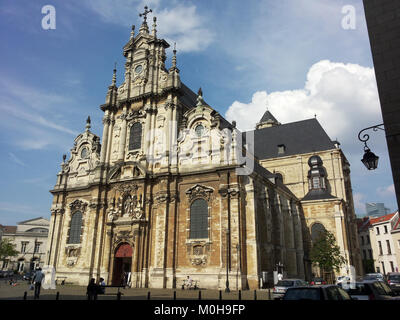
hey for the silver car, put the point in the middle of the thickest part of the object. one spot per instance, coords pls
(282, 285)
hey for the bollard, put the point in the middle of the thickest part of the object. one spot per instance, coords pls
(119, 295)
(174, 295)
(200, 295)
(148, 295)
(255, 294)
(240, 294)
(57, 295)
(220, 294)
(269, 294)
(25, 293)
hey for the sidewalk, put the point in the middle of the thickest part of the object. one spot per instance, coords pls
(70, 292)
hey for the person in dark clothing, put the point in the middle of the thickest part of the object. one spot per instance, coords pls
(92, 290)
(102, 286)
(37, 281)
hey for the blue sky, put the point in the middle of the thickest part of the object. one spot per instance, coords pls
(292, 55)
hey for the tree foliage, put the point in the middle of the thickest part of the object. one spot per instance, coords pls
(7, 249)
(325, 253)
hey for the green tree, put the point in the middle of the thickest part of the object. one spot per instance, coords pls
(325, 253)
(7, 249)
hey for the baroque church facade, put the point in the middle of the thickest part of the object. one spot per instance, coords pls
(173, 189)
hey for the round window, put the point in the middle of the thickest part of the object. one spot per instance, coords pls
(84, 153)
(138, 69)
(199, 130)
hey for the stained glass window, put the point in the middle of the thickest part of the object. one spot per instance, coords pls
(135, 137)
(75, 229)
(199, 219)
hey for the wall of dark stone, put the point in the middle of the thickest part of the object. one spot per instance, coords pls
(383, 22)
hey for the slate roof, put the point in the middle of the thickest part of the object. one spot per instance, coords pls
(299, 137)
(318, 194)
(268, 116)
(188, 97)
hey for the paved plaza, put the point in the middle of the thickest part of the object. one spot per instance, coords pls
(71, 292)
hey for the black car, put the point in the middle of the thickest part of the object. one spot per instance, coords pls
(370, 290)
(393, 280)
(317, 292)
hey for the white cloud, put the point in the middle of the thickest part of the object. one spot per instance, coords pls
(343, 96)
(180, 23)
(14, 158)
(359, 203)
(386, 191)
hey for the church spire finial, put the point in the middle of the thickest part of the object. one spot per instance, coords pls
(88, 123)
(133, 32)
(154, 27)
(200, 100)
(144, 27)
(174, 56)
(114, 78)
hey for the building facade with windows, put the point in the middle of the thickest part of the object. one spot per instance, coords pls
(30, 239)
(382, 232)
(174, 189)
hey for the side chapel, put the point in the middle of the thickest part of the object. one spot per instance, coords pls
(173, 189)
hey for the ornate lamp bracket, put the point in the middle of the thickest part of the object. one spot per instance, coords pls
(365, 137)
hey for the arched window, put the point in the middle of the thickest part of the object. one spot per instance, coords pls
(75, 229)
(317, 230)
(199, 219)
(135, 136)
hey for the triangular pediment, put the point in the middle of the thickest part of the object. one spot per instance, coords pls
(36, 222)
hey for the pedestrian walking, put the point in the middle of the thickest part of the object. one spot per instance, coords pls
(92, 289)
(102, 286)
(37, 281)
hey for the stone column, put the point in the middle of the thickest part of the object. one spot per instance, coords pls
(106, 124)
(122, 141)
(110, 136)
(147, 133)
(252, 257)
(173, 155)
(135, 259)
(158, 264)
(107, 263)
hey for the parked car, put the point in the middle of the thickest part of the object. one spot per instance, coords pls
(317, 281)
(370, 290)
(393, 280)
(374, 276)
(343, 279)
(282, 285)
(6, 273)
(317, 292)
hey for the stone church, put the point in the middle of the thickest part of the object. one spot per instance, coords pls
(173, 189)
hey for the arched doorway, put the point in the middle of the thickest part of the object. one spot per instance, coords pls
(122, 264)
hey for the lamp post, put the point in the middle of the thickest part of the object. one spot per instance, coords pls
(370, 160)
(227, 261)
(238, 266)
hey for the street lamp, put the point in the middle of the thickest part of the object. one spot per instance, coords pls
(370, 160)
(227, 261)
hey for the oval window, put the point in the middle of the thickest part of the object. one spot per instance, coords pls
(84, 153)
(199, 130)
(138, 69)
